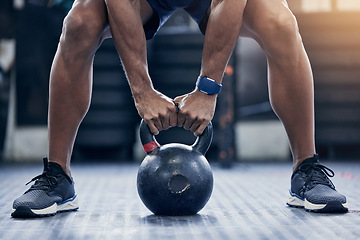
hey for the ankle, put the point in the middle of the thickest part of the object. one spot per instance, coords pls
(298, 160)
(64, 166)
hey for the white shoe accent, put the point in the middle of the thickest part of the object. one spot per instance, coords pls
(294, 200)
(71, 204)
(311, 206)
(49, 210)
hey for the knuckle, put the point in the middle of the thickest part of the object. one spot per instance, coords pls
(147, 119)
(154, 118)
(172, 109)
(192, 116)
(206, 120)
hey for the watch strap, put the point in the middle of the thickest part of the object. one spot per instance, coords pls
(208, 85)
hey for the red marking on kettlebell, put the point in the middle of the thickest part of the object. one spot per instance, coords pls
(150, 146)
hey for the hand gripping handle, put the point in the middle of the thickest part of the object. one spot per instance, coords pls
(202, 143)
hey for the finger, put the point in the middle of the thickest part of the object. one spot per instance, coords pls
(196, 124)
(201, 128)
(158, 124)
(180, 119)
(153, 129)
(188, 122)
(165, 122)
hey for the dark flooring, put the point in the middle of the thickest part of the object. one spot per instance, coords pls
(248, 202)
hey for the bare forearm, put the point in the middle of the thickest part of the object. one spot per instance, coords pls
(222, 31)
(128, 34)
(126, 23)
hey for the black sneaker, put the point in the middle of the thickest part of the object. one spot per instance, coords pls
(312, 189)
(52, 192)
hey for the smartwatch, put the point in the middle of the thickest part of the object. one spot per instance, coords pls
(208, 85)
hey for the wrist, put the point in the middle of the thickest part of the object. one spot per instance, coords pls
(142, 93)
(204, 95)
(141, 87)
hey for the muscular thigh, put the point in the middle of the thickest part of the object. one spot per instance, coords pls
(142, 6)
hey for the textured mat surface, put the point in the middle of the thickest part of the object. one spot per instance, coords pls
(248, 202)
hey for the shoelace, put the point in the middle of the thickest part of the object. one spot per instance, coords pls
(42, 181)
(318, 174)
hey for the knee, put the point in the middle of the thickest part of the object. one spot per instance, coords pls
(80, 31)
(284, 26)
(279, 36)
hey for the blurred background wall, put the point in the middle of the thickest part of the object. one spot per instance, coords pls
(245, 126)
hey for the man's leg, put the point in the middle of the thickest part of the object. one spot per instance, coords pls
(71, 76)
(274, 27)
(70, 90)
(85, 27)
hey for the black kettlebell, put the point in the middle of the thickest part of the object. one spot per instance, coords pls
(175, 179)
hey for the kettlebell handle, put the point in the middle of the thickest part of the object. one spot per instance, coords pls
(202, 142)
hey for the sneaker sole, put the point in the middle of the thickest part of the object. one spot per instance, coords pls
(330, 207)
(26, 212)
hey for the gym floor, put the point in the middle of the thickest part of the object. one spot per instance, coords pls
(248, 202)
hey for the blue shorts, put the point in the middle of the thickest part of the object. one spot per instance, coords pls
(164, 8)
